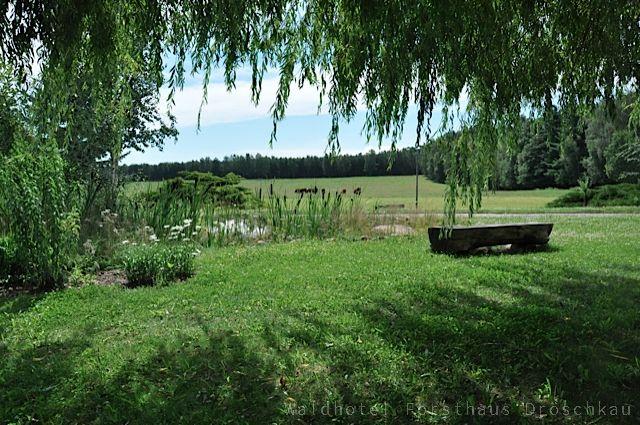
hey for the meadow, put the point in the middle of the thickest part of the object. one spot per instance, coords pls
(401, 190)
(375, 331)
(384, 190)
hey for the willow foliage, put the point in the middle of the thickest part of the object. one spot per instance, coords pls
(388, 55)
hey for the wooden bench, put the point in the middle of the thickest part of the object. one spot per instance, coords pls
(464, 239)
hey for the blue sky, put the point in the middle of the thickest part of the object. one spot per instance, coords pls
(231, 124)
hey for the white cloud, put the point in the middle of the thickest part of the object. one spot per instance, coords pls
(225, 106)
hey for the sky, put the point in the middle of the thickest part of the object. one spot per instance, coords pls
(231, 124)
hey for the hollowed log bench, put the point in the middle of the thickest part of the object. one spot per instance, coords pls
(462, 239)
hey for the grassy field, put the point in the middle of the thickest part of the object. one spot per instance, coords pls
(378, 331)
(401, 190)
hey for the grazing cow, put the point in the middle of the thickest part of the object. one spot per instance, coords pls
(357, 191)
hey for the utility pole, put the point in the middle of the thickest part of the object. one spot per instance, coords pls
(417, 168)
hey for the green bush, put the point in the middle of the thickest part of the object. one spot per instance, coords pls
(142, 265)
(8, 267)
(624, 194)
(178, 262)
(149, 265)
(573, 198)
(204, 188)
(36, 210)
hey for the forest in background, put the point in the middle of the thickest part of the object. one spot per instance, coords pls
(268, 167)
(556, 149)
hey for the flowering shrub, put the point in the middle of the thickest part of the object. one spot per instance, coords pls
(180, 231)
(148, 265)
(178, 262)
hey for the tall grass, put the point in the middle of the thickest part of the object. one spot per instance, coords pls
(308, 215)
(323, 214)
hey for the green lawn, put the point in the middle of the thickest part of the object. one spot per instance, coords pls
(361, 332)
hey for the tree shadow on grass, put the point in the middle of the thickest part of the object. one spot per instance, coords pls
(33, 375)
(412, 354)
(16, 304)
(215, 381)
(528, 348)
(573, 342)
(500, 250)
(220, 381)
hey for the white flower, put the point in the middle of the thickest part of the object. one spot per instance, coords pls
(166, 226)
(187, 221)
(153, 238)
(124, 242)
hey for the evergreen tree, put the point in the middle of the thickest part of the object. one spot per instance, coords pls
(622, 157)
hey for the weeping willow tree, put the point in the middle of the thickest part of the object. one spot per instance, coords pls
(503, 56)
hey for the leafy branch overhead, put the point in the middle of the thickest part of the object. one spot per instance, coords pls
(388, 55)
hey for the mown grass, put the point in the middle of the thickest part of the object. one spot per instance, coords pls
(382, 329)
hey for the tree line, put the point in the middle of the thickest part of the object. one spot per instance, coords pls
(400, 162)
(557, 149)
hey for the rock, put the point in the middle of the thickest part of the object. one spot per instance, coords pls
(393, 229)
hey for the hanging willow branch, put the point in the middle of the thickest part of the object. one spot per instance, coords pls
(385, 55)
